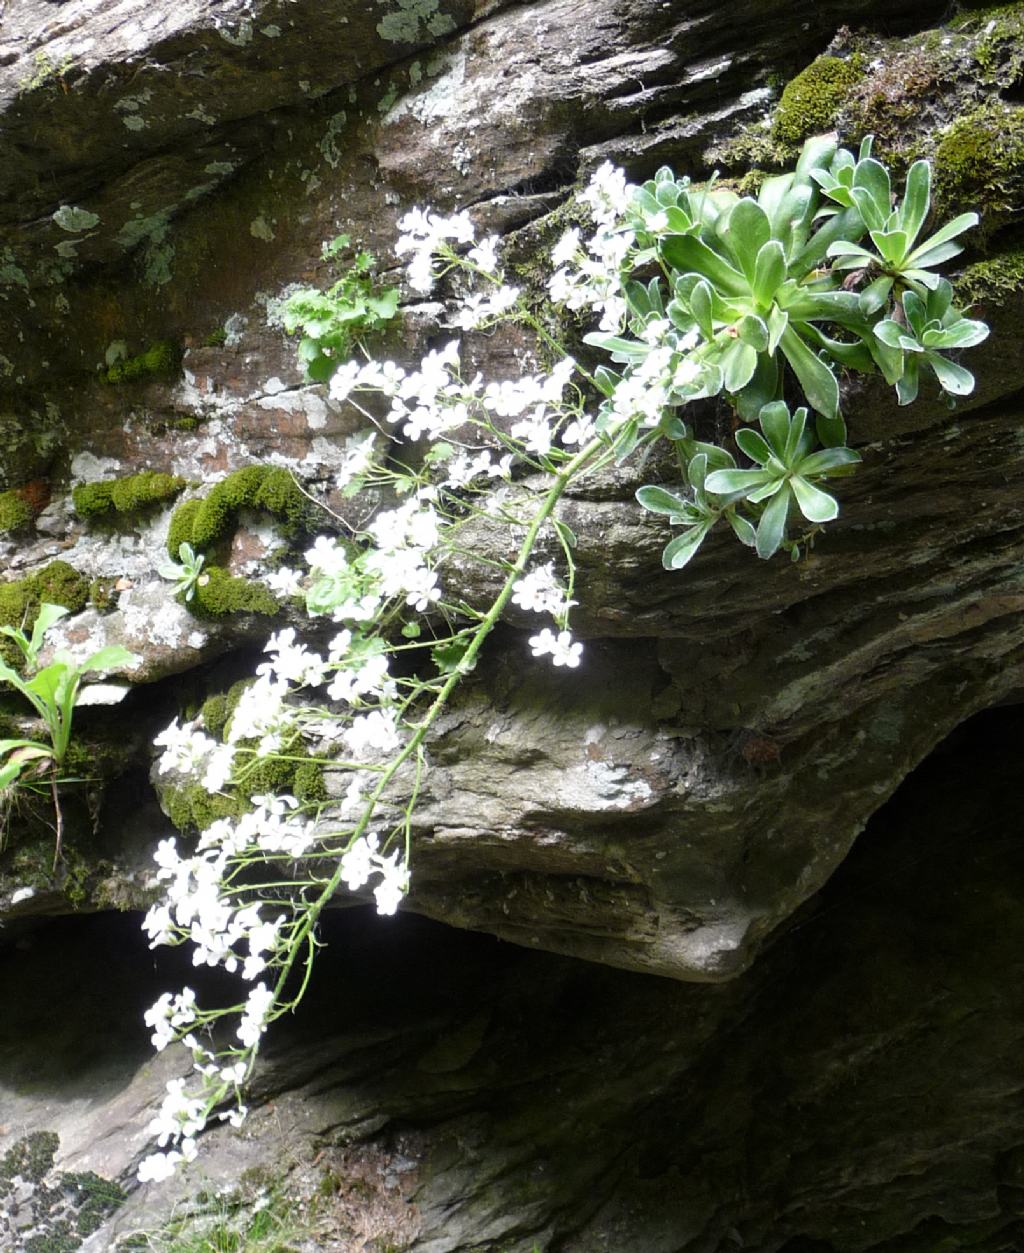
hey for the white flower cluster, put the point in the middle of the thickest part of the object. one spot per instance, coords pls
(540, 592)
(362, 860)
(589, 275)
(422, 234)
(366, 583)
(560, 647)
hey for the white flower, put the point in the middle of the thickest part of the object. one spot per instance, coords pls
(373, 731)
(158, 1166)
(561, 648)
(567, 247)
(580, 431)
(540, 592)
(357, 458)
(357, 862)
(292, 663)
(218, 769)
(344, 379)
(184, 747)
(327, 556)
(393, 885)
(535, 432)
(285, 582)
(257, 1006)
(485, 254)
(158, 925)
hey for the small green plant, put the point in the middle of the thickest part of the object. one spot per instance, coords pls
(332, 322)
(51, 691)
(187, 571)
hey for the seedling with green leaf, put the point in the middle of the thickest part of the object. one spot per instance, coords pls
(755, 301)
(699, 513)
(333, 321)
(786, 476)
(187, 571)
(898, 257)
(928, 325)
(51, 691)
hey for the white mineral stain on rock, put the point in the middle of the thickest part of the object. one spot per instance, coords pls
(87, 468)
(260, 228)
(437, 101)
(305, 400)
(71, 218)
(613, 786)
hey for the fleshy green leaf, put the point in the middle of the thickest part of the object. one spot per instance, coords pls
(826, 459)
(813, 503)
(775, 422)
(871, 176)
(747, 231)
(753, 331)
(701, 308)
(769, 272)
(725, 482)
(818, 382)
(874, 296)
(952, 378)
(684, 252)
(661, 500)
(754, 445)
(738, 363)
(916, 199)
(680, 550)
(959, 224)
(771, 530)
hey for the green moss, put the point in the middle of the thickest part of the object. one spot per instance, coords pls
(752, 146)
(103, 595)
(888, 101)
(58, 583)
(30, 1158)
(15, 514)
(192, 808)
(95, 1198)
(270, 489)
(810, 102)
(993, 279)
(161, 359)
(998, 51)
(218, 593)
(180, 530)
(979, 164)
(214, 713)
(308, 785)
(127, 495)
(265, 774)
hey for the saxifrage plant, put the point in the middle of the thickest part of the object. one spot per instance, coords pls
(700, 294)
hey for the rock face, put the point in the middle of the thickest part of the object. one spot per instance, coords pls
(854, 1092)
(169, 172)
